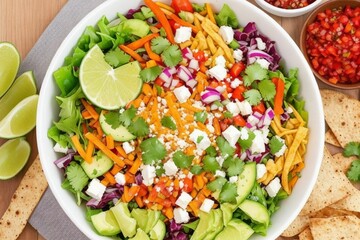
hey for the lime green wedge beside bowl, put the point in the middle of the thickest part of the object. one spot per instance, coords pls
(106, 87)
(14, 154)
(9, 65)
(23, 87)
(21, 119)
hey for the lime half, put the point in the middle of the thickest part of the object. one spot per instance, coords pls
(106, 87)
(21, 119)
(23, 87)
(14, 154)
(9, 65)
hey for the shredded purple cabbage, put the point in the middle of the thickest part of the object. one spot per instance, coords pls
(175, 232)
(138, 178)
(131, 12)
(111, 194)
(247, 41)
(64, 161)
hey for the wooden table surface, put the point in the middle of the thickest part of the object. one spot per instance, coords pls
(21, 23)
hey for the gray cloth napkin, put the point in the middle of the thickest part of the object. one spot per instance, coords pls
(48, 218)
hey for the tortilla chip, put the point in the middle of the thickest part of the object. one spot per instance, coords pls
(342, 163)
(23, 202)
(331, 139)
(345, 227)
(306, 235)
(331, 212)
(332, 185)
(297, 226)
(342, 113)
(350, 203)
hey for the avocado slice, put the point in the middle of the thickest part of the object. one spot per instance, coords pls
(105, 223)
(204, 226)
(126, 223)
(235, 229)
(217, 225)
(141, 217)
(140, 235)
(134, 26)
(256, 211)
(158, 231)
(100, 164)
(153, 217)
(120, 133)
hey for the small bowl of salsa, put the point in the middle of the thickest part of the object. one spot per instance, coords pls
(330, 41)
(288, 8)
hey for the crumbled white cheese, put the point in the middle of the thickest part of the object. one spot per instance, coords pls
(218, 72)
(233, 108)
(220, 60)
(235, 83)
(231, 134)
(263, 63)
(219, 173)
(260, 44)
(58, 148)
(207, 205)
(227, 34)
(182, 94)
(273, 187)
(120, 178)
(260, 170)
(170, 168)
(282, 149)
(148, 173)
(96, 189)
(238, 55)
(201, 139)
(258, 145)
(128, 148)
(184, 200)
(233, 179)
(182, 34)
(245, 107)
(181, 215)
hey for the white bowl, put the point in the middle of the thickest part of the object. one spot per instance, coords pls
(281, 12)
(48, 111)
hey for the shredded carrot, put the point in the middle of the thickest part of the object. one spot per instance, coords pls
(98, 128)
(183, 23)
(279, 96)
(90, 150)
(104, 182)
(139, 201)
(151, 54)
(90, 109)
(139, 43)
(129, 178)
(115, 169)
(147, 90)
(161, 18)
(85, 114)
(135, 167)
(79, 148)
(104, 149)
(131, 157)
(121, 151)
(169, 213)
(130, 192)
(110, 178)
(84, 127)
(132, 53)
(165, 6)
(217, 128)
(109, 141)
(210, 12)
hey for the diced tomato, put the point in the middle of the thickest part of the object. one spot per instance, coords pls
(174, 25)
(260, 108)
(182, 5)
(188, 185)
(238, 93)
(239, 121)
(236, 69)
(200, 56)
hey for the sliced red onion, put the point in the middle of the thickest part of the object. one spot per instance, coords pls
(172, 70)
(257, 115)
(64, 161)
(220, 89)
(243, 156)
(184, 73)
(191, 83)
(174, 82)
(249, 125)
(166, 75)
(210, 96)
(194, 64)
(254, 54)
(284, 117)
(168, 84)
(187, 53)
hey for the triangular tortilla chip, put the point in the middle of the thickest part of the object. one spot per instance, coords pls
(331, 139)
(306, 235)
(335, 228)
(342, 114)
(342, 163)
(331, 186)
(330, 212)
(297, 226)
(350, 203)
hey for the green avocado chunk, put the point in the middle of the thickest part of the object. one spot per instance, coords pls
(141, 217)
(140, 235)
(105, 223)
(209, 226)
(126, 223)
(256, 211)
(100, 164)
(235, 229)
(135, 26)
(158, 231)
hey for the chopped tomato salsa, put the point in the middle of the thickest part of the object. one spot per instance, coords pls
(290, 4)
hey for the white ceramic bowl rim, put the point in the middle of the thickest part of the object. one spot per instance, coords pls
(293, 10)
(246, 12)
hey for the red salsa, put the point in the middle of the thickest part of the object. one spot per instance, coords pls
(333, 44)
(290, 4)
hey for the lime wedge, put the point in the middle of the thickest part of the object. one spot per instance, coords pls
(106, 87)
(23, 87)
(9, 65)
(21, 119)
(14, 154)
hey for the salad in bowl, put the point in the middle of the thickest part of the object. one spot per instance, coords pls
(178, 120)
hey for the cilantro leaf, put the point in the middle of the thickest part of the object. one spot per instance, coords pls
(246, 143)
(139, 127)
(253, 96)
(196, 169)
(201, 116)
(152, 150)
(225, 147)
(352, 149)
(113, 119)
(117, 57)
(211, 151)
(167, 121)
(171, 56)
(182, 160)
(226, 17)
(159, 170)
(159, 44)
(254, 72)
(150, 74)
(273, 203)
(267, 89)
(228, 193)
(210, 164)
(127, 116)
(76, 176)
(275, 144)
(354, 172)
(234, 166)
(217, 184)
